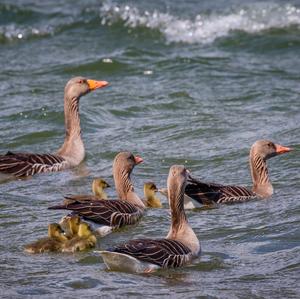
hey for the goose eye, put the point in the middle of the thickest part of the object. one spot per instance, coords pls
(80, 81)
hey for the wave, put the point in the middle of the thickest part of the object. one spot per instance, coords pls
(204, 28)
(15, 32)
(19, 23)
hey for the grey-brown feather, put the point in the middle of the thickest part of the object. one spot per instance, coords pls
(208, 193)
(26, 164)
(115, 213)
(162, 252)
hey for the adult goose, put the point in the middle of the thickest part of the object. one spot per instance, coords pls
(72, 151)
(261, 151)
(128, 209)
(180, 246)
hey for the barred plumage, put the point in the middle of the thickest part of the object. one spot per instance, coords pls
(115, 213)
(72, 151)
(180, 246)
(23, 164)
(209, 193)
(162, 252)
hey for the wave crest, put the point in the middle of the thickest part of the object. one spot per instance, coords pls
(204, 28)
(14, 32)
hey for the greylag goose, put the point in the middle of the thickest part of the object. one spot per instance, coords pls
(52, 243)
(261, 151)
(128, 209)
(151, 200)
(180, 246)
(72, 151)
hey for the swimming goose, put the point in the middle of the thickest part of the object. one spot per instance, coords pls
(128, 209)
(180, 246)
(85, 239)
(98, 187)
(151, 200)
(260, 152)
(52, 243)
(72, 151)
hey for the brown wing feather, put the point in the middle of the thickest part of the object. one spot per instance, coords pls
(206, 193)
(115, 213)
(71, 198)
(25, 164)
(162, 252)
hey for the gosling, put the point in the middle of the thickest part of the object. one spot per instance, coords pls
(70, 225)
(98, 187)
(53, 243)
(151, 200)
(84, 240)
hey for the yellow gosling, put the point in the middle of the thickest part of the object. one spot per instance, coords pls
(85, 239)
(70, 225)
(98, 187)
(52, 243)
(151, 200)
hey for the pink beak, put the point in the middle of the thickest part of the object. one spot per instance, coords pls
(138, 159)
(282, 149)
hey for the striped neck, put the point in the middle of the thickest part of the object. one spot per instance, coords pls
(180, 230)
(260, 177)
(72, 120)
(176, 201)
(73, 147)
(124, 186)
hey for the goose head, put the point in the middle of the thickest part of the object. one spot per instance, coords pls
(80, 86)
(70, 225)
(125, 161)
(266, 149)
(55, 231)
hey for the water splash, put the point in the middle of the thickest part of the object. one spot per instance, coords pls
(14, 32)
(204, 28)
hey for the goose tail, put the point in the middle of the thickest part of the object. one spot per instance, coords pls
(116, 261)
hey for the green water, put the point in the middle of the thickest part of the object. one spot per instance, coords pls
(191, 82)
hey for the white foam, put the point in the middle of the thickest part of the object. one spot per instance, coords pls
(14, 32)
(204, 28)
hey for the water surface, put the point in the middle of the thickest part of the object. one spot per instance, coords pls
(192, 82)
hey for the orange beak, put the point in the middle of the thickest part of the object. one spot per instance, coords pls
(282, 149)
(96, 84)
(138, 159)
